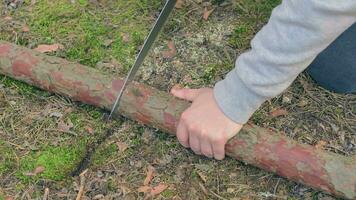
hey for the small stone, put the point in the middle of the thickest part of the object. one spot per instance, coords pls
(132, 163)
(108, 42)
(99, 174)
(350, 147)
(303, 103)
(230, 190)
(56, 114)
(99, 196)
(286, 99)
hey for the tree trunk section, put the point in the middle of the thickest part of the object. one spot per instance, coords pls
(263, 148)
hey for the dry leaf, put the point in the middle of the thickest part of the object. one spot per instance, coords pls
(320, 145)
(28, 174)
(68, 110)
(207, 13)
(39, 170)
(43, 48)
(158, 189)
(9, 198)
(89, 129)
(36, 171)
(144, 189)
(126, 38)
(65, 127)
(98, 196)
(149, 176)
(125, 190)
(122, 146)
(179, 4)
(171, 52)
(202, 176)
(7, 18)
(279, 112)
(25, 28)
(108, 42)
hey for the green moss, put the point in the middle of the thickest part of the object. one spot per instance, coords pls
(254, 13)
(7, 158)
(84, 29)
(21, 87)
(57, 161)
(104, 153)
(168, 193)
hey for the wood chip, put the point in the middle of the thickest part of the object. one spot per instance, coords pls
(179, 4)
(321, 144)
(171, 52)
(46, 194)
(144, 189)
(126, 38)
(207, 13)
(149, 176)
(122, 146)
(158, 189)
(279, 112)
(39, 170)
(25, 28)
(44, 48)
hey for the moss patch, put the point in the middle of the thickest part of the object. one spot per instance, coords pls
(104, 154)
(58, 162)
(90, 33)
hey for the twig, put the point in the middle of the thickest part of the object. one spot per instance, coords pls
(218, 196)
(82, 185)
(62, 131)
(16, 145)
(46, 194)
(276, 187)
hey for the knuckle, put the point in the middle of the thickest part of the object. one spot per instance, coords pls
(204, 132)
(218, 139)
(193, 128)
(184, 116)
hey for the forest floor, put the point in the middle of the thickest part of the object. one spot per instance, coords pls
(44, 137)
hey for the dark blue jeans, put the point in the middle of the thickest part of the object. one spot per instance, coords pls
(335, 67)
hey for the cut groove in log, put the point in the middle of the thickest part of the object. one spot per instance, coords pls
(271, 151)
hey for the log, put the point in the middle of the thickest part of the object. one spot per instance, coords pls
(326, 171)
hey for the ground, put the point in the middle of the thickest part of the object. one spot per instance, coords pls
(45, 137)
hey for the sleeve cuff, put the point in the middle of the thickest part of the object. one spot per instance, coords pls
(236, 100)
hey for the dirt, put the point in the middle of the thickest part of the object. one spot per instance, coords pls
(118, 166)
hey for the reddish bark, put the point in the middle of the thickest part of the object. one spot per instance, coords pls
(326, 171)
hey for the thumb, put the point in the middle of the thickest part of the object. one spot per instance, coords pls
(185, 93)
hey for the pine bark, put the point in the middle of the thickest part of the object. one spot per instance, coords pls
(326, 171)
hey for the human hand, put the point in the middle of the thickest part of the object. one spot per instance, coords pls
(203, 127)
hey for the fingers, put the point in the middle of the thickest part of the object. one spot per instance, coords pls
(183, 134)
(219, 150)
(194, 143)
(206, 148)
(186, 94)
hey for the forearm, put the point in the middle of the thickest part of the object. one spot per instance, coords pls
(296, 33)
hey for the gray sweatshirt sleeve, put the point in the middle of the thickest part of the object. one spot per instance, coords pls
(296, 33)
